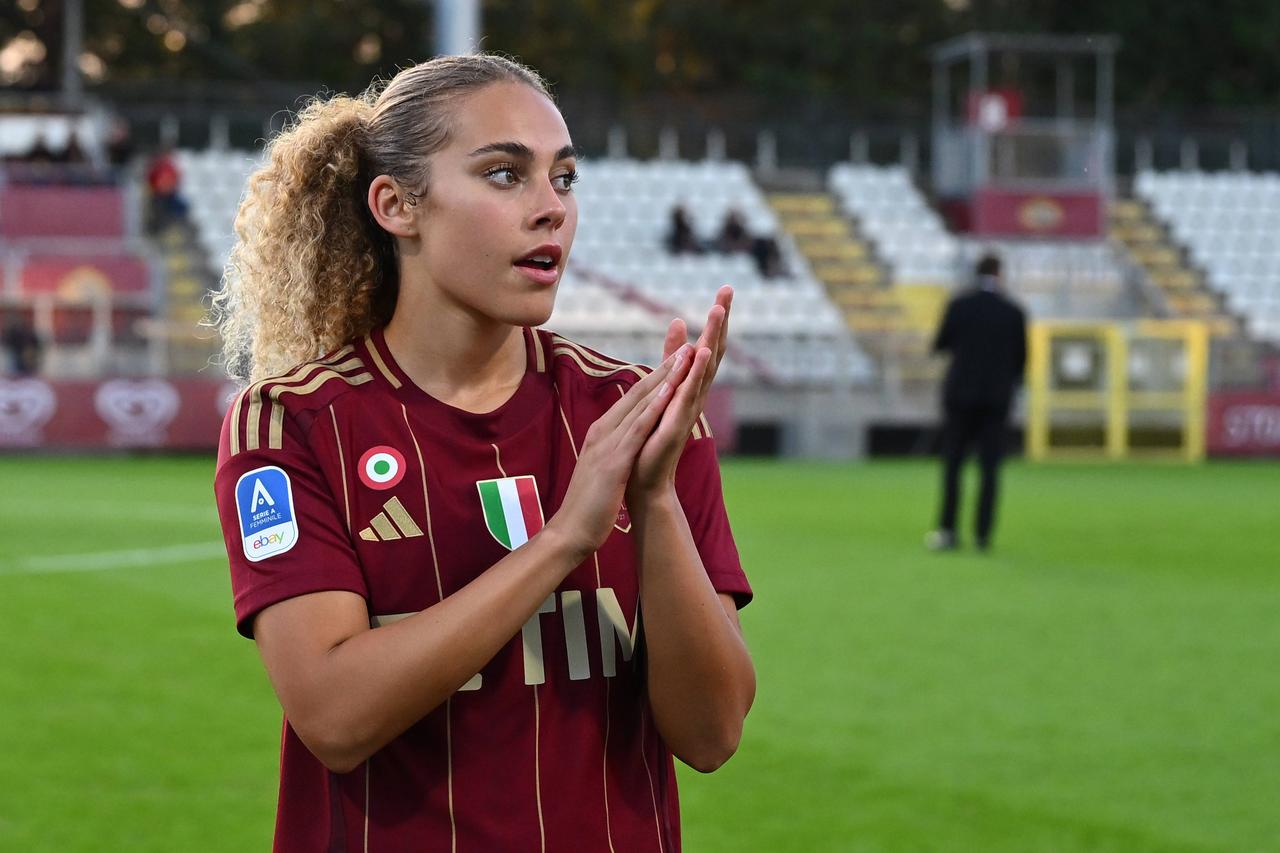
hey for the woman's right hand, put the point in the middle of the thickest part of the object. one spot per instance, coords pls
(591, 503)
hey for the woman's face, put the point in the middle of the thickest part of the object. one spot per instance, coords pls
(498, 217)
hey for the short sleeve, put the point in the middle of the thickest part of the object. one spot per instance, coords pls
(284, 533)
(702, 498)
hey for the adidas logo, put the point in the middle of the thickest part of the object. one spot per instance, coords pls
(394, 522)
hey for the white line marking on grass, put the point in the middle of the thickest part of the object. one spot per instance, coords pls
(104, 560)
(120, 509)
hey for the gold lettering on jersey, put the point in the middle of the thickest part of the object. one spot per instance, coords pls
(535, 671)
(615, 635)
(612, 625)
(575, 634)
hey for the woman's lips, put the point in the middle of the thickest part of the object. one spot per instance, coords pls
(545, 277)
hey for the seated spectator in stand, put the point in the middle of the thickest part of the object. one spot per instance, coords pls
(73, 154)
(734, 237)
(681, 239)
(40, 152)
(119, 143)
(163, 179)
(733, 234)
(768, 257)
(23, 348)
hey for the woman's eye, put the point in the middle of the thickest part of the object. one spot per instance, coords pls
(504, 175)
(565, 182)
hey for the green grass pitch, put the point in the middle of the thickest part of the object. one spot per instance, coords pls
(1106, 680)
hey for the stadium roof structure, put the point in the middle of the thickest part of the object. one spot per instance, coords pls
(1009, 114)
(965, 46)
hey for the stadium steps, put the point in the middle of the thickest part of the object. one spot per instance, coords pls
(188, 281)
(893, 324)
(1133, 225)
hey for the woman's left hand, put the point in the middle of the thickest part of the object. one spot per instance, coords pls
(655, 466)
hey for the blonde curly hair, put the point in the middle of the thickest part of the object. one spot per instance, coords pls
(311, 269)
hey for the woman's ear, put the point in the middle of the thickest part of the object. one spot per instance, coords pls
(390, 207)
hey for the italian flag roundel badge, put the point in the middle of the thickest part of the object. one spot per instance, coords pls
(381, 467)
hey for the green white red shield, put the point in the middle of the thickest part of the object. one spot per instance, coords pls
(512, 511)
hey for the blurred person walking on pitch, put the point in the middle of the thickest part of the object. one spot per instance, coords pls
(488, 570)
(986, 335)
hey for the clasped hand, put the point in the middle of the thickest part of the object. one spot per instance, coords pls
(655, 466)
(633, 448)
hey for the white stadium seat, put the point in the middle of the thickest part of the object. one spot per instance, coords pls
(1228, 221)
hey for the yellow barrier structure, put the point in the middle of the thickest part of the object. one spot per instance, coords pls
(1116, 378)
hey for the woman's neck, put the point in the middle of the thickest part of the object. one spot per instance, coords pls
(471, 365)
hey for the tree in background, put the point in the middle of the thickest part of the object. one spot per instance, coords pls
(870, 53)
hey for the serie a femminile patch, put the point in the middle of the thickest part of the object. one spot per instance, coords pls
(264, 503)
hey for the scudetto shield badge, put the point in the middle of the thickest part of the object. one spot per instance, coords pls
(512, 511)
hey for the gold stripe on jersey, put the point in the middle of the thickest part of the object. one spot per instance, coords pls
(653, 796)
(604, 762)
(254, 422)
(394, 522)
(342, 466)
(564, 419)
(595, 557)
(537, 768)
(578, 357)
(382, 526)
(402, 519)
(596, 358)
(592, 364)
(379, 363)
(275, 437)
(235, 423)
(254, 395)
(697, 430)
(706, 425)
(368, 766)
(539, 357)
(426, 500)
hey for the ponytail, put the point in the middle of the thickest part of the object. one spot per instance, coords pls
(311, 269)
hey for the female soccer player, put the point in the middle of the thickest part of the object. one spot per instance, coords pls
(488, 570)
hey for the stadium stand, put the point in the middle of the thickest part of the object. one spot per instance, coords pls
(787, 329)
(1054, 278)
(907, 232)
(1228, 223)
(73, 267)
(622, 284)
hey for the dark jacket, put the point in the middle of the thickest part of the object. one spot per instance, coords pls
(986, 334)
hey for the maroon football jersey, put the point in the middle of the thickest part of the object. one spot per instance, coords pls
(344, 475)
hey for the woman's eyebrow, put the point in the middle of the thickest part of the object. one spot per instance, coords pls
(520, 151)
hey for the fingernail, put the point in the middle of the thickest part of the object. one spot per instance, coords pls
(679, 362)
(663, 389)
